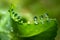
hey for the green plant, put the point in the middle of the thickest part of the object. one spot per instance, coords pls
(42, 28)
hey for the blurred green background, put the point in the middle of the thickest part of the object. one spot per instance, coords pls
(37, 7)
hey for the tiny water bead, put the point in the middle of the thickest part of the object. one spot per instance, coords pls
(35, 18)
(18, 17)
(46, 14)
(15, 14)
(12, 10)
(41, 17)
(47, 17)
(21, 21)
(8, 10)
(42, 22)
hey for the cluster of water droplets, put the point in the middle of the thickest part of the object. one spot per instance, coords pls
(21, 20)
(16, 17)
(41, 18)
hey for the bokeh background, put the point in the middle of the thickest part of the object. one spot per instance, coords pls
(37, 7)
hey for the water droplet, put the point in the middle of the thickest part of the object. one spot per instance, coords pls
(41, 17)
(8, 10)
(11, 9)
(35, 18)
(15, 14)
(18, 17)
(21, 21)
(48, 20)
(46, 14)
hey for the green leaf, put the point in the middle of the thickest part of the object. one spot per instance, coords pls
(26, 30)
